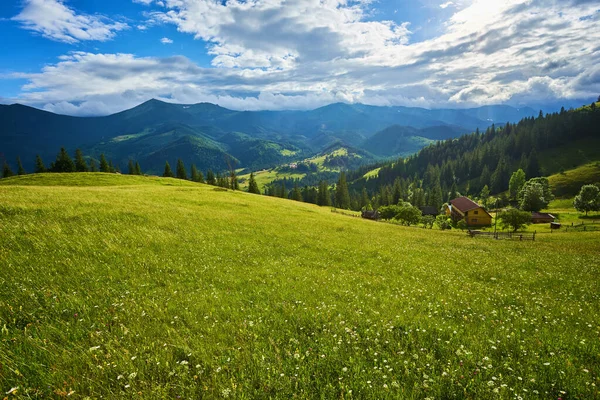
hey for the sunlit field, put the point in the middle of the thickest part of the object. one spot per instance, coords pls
(127, 287)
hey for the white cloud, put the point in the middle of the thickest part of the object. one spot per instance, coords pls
(166, 41)
(56, 21)
(295, 56)
(446, 5)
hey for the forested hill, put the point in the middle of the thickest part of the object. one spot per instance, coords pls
(540, 145)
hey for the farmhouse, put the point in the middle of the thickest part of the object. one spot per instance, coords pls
(542, 218)
(467, 209)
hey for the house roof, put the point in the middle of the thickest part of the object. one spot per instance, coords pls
(537, 215)
(429, 210)
(464, 204)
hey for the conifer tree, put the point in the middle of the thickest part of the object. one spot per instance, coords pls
(93, 167)
(364, 198)
(485, 196)
(210, 177)
(194, 174)
(233, 181)
(138, 169)
(168, 172)
(63, 162)
(342, 197)
(181, 173)
(39, 165)
(282, 190)
(131, 168)
(453, 192)
(80, 164)
(104, 166)
(111, 167)
(533, 165)
(296, 192)
(6, 171)
(20, 169)
(323, 198)
(252, 185)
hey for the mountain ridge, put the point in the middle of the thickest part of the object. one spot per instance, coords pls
(27, 131)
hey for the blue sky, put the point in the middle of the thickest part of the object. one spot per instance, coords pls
(94, 57)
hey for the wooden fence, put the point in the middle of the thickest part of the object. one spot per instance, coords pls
(503, 235)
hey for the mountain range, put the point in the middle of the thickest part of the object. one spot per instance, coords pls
(210, 136)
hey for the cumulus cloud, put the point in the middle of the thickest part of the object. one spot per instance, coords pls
(56, 21)
(281, 55)
(166, 41)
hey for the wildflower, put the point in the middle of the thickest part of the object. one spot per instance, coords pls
(132, 375)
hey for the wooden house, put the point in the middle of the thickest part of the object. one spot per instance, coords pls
(471, 212)
(542, 218)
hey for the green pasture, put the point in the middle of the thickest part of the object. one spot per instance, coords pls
(132, 287)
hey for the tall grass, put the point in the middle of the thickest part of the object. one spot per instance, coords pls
(161, 291)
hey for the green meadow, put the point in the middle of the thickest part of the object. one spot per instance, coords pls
(132, 287)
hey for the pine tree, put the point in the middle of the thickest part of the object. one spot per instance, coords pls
(435, 196)
(364, 198)
(20, 169)
(453, 192)
(104, 166)
(181, 174)
(39, 165)
(138, 169)
(6, 171)
(252, 185)
(323, 198)
(396, 191)
(194, 174)
(130, 168)
(342, 197)
(93, 167)
(111, 167)
(282, 190)
(233, 181)
(485, 196)
(63, 162)
(168, 173)
(500, 177)
(80, 164)
(210, 177)
(533, 165)
(296, 193)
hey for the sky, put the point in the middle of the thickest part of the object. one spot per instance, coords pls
(96, 57)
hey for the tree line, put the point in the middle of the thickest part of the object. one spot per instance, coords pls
(64, 163)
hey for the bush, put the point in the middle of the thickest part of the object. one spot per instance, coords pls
(443, 222)
(427, 221)
(408, 215)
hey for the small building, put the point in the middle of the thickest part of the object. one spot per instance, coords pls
(429, 210)
(471, 212)
(542, 218)
(370, 214)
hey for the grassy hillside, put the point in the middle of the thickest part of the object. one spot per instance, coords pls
(569, 183)
(153, 291)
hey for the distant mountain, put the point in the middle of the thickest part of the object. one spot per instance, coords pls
(399, 140)
(258, 139)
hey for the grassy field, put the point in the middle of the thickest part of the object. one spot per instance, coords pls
(140, 289)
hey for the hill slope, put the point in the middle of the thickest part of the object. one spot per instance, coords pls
(194, 292)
